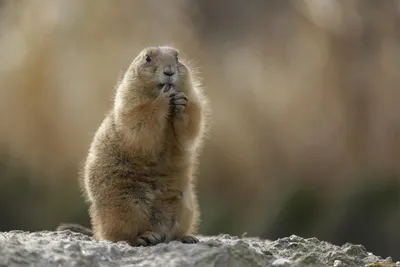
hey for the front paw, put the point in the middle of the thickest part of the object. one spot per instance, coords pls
(165, 95)
(178, 102)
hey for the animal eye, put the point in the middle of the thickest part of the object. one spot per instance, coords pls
(148, 58)
(177, 59)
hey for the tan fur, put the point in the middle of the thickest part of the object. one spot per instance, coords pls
(139, 174)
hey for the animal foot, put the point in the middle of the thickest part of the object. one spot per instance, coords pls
(188, 239)
(149, 238)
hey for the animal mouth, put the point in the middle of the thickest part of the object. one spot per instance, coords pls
(161, 85)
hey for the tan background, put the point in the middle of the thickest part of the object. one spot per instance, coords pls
(305, 98)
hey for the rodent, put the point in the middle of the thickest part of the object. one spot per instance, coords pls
(139, 175)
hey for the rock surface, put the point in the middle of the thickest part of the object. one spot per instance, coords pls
(18, 248)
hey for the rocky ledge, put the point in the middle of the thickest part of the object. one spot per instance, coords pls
(65, 248)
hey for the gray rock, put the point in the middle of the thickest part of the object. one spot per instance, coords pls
(282, 262)
(337, 263)
(18, 248)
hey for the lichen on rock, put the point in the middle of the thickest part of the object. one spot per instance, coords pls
(65, 248)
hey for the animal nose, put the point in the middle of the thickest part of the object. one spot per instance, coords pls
(169, 70)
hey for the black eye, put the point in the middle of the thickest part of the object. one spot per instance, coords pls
(177, 59)
(148, 58)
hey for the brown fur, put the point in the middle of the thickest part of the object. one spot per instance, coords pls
(139, 174)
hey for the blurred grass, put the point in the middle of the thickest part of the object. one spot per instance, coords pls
(306, 131)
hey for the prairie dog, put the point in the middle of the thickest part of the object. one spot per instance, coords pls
(138, 177)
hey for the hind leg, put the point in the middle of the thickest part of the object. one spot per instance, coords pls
(122, 224)
(188, 219)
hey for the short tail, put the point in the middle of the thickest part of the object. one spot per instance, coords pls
(75, 228)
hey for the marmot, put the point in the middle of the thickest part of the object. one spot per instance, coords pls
(138, 178)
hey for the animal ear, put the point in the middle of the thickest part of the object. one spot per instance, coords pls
(131, 71)
(135, 70)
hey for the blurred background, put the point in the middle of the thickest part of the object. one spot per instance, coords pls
(306, 121)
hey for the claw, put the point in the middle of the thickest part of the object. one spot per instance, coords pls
(149, 238)
(166, 88)
(189, 239)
